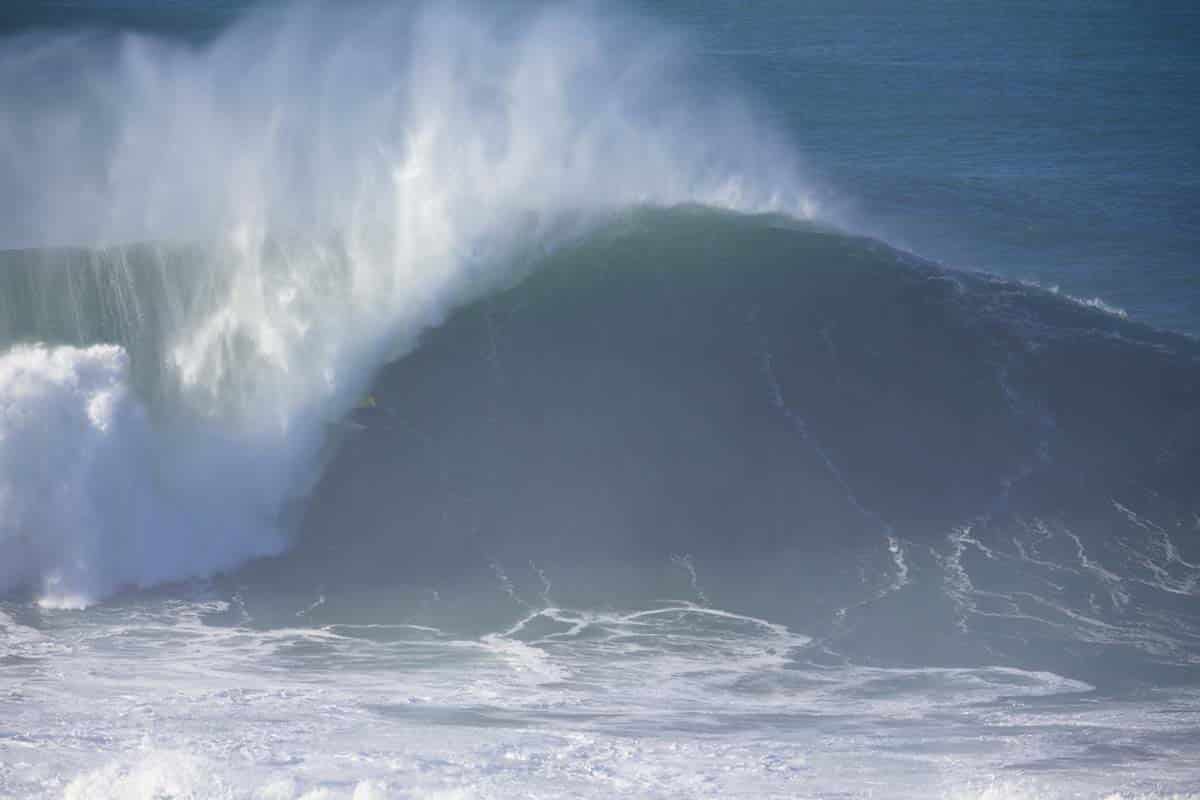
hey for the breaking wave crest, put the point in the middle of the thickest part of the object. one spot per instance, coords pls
(308, 193)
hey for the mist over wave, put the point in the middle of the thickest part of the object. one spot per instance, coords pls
(242, 232)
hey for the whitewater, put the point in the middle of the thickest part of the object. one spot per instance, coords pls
(456, 400)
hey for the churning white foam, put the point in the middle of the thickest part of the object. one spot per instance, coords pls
(353, 174)
(86, 503)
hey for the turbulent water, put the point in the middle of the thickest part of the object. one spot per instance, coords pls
(456, 401)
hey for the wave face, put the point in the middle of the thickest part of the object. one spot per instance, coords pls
(309, 192)
(902, 460)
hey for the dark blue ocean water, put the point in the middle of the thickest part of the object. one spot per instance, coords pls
(1058, 142)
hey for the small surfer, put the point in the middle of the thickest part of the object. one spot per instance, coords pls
(370, 414)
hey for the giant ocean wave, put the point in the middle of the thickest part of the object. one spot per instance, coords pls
(599, 325)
